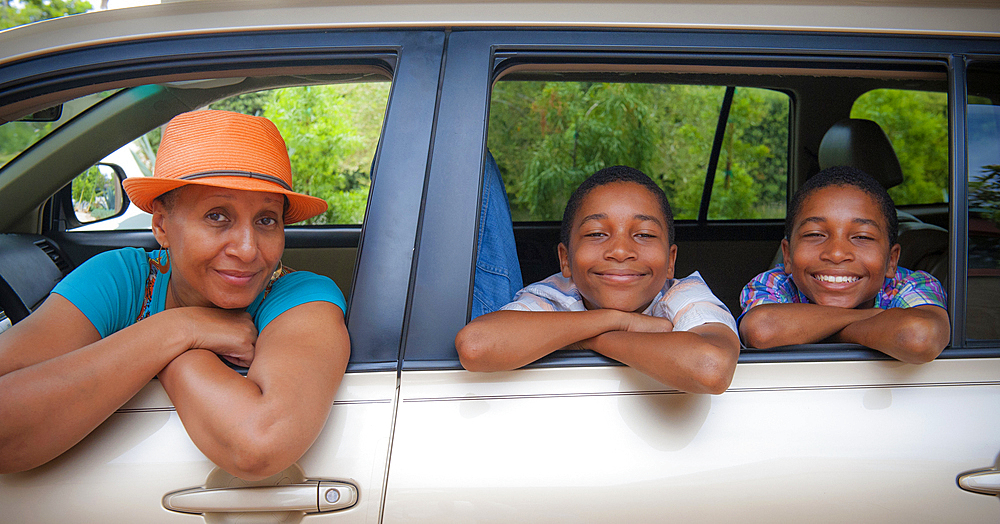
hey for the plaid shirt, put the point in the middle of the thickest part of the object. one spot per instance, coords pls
(687, 302)
(906, 289)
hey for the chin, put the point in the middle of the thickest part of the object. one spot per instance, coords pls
(845, 303)
(233, 300)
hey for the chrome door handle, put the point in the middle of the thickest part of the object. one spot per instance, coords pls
(985, 481)
(311, 497)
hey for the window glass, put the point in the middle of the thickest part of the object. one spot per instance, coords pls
(983, 292)
(331, 132)
(916, 123)
(17, 136)
(547, 137)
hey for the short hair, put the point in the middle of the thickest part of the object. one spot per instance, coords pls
(845, 176)
(610, 175)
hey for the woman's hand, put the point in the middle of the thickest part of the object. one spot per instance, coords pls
(231, 334)
(255, 426)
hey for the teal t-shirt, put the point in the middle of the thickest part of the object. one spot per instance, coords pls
(109, 289)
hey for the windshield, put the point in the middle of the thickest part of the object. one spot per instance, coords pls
(16, 137)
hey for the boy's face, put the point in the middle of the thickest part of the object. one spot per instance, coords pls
(839, 252)
(619, 255)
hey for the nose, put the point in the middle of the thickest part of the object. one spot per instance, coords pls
(620, 248)
(242, 243)
(837, 249)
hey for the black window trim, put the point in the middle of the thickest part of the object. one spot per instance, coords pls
(887, 52)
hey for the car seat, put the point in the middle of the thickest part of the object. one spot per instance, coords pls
(498, 273)
(864, 145)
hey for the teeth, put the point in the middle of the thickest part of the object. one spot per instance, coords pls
(836, 279)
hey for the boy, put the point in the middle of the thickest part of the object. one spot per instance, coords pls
(839, 280)
(615, 295)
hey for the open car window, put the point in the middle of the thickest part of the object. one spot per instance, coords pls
(548, 136)
(331, 131)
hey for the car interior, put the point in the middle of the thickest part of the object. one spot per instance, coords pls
(728, 252)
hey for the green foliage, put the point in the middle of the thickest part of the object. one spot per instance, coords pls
(15, 137)
(916, 123)
(247, 103)
(18, 136)
(94, 194)
(37, 10)
(984, 194)
(547, 137)
(331, 132)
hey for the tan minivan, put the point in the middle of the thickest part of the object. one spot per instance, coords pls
(727, 103)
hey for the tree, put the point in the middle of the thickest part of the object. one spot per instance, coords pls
(547, 137)
(36, 10)
(916, 123)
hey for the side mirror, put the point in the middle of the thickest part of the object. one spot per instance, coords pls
(98, 193)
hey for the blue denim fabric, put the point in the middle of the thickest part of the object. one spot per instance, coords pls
(498, 273)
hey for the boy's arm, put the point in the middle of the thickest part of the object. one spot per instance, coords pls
(700, 360)
(915, 335)
(505, 340)
(771, 325)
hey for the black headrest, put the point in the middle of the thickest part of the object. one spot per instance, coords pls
(861, 144)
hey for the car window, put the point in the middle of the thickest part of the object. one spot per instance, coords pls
(548, 136)
(331, 132)
(916, 123)
(983, 311)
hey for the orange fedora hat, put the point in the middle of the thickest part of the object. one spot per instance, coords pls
(223, 149)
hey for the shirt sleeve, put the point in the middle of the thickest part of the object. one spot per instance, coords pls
(555, 293)
(690, 303)
(108, 288)
(770, 287)
(919, 288)
(294, 289)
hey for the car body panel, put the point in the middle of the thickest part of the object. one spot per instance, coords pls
(173, 18)
(142, 453)
(877, 441)
(815, 433)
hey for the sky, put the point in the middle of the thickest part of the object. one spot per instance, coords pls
(117, 4)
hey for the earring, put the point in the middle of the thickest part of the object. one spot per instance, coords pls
(278, 273)
(162, 261)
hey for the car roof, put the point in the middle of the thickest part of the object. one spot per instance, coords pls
(960, 18)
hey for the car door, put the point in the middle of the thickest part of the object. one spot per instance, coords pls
(818, 433)
(140, 465)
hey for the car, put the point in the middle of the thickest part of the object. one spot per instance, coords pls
(727, 104)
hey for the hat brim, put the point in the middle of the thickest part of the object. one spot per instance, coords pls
(143, 191)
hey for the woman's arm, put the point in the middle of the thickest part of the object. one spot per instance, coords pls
(700, 360)
(258, 425)
(59, 380)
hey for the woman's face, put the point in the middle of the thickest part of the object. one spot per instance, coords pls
(224, 244)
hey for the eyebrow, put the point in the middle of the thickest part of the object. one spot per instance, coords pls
(858, 220)
(229, 197)
(602, 216)
(648, 217)
(595, 216)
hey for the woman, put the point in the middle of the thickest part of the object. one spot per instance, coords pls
(220, 197)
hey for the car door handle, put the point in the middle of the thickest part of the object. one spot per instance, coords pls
(310, 497)
(985, 481)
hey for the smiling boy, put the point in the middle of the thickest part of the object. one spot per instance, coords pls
(839, 281)
(615, 295)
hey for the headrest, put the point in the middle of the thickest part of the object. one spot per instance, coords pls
(863, 145)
